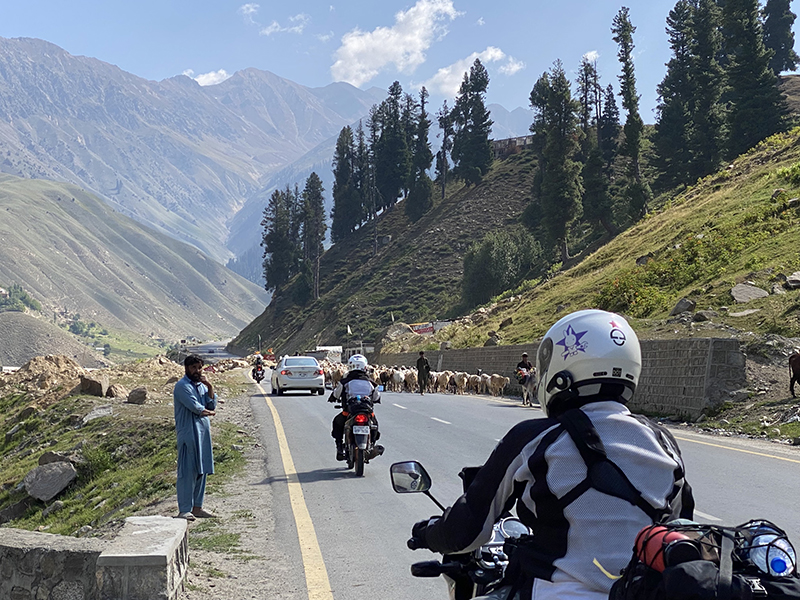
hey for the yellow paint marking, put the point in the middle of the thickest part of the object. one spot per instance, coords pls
(319, 587)
(683, 439)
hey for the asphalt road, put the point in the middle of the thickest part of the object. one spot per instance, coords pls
(360, 526)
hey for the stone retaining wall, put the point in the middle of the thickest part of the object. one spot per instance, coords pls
(681, 377)
(148, 560)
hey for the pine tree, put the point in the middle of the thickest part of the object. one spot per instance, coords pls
(608, 127)
(392, 158)
(347, 209)
(757, 105)
(445, 121)
(673, 127)
(587, 92)
(597, 202)
(707, 139)
(778, 35)
(314, 226)
(420, 197)
(472, 151)
(638, 191)
(556, 121)
(282, 251)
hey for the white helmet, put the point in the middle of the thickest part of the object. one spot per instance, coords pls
(587, 353)
(357, 361)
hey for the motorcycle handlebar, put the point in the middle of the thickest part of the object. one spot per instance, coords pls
(414, 544)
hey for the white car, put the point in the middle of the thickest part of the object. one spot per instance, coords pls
(298, 373)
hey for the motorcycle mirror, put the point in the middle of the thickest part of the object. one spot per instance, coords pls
(409, 477)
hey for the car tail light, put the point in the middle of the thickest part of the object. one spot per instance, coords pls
(286, 372)
(320, 372)
(361, 419)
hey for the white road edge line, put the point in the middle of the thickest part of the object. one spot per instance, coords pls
(705, 517)
(441, 421)
(398, 406)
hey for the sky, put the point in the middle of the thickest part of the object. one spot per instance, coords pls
(366, 43)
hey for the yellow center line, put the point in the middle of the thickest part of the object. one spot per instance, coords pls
(684, 439)
(317, 583)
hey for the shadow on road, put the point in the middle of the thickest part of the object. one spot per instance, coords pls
(331, 474)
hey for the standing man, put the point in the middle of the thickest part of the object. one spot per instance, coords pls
(194, 401)
(423, 372)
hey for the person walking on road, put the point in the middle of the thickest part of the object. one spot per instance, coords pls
(195, 401)
(423, 372)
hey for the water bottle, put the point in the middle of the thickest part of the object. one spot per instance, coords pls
(772, 554)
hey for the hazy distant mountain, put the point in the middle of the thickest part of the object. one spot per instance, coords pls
(75, 255)
(177, 156)
(507, 124)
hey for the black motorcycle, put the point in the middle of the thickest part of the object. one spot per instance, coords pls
(469, 575)
(360, 434)
(258, 373)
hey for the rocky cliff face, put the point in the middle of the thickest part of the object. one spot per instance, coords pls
(174, 155)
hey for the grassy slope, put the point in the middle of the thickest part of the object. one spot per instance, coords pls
(73, 253)
(742, 232)
(415, 277)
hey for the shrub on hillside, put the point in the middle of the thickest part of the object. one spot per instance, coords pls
(498, 263)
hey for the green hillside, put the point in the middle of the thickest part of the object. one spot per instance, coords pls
(83, 261)
(729, 228)
(414, 277)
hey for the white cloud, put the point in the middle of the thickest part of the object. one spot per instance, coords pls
(212, 78)
(248, 11)
(592, 55)
(448, 79)
(298, 24)
(364, 54)
(325, 37)
(481, 22)
(512, 66)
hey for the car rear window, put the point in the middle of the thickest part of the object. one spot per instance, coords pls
(300, 361)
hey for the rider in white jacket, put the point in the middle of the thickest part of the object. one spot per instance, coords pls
(585, 479)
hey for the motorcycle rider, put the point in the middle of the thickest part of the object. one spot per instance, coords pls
(524, 366)
(356, 383)
(259, 366)
(585, 479)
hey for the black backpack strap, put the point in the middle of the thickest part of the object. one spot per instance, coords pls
(602, 473)
(725, 566)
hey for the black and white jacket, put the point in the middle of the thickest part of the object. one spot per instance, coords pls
(582, 536)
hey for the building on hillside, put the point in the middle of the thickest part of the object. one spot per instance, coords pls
(3, 293)
(509, 146)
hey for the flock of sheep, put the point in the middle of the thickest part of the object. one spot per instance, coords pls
(405, 379)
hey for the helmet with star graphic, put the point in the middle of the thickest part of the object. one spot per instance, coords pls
(587, 356)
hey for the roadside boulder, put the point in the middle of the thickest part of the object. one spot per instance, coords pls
(94, 385)
(744, 292)
(704, 315)
(48, 481)
(793, 281)
(683, 305)
(506, 322)
(116, 390)
(52, 457)
(138, 395)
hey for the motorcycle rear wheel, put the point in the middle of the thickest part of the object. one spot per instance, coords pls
(359, 462)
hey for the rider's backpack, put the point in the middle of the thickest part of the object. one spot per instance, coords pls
(682, 560)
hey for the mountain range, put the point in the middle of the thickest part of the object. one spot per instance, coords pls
(174, 155)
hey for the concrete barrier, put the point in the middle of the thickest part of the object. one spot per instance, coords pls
(146, 561)
(683, 377)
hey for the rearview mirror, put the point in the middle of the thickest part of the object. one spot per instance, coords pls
(409, 477)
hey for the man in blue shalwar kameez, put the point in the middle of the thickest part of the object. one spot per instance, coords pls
(194, 401)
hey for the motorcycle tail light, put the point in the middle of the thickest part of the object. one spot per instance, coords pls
(361, 419)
